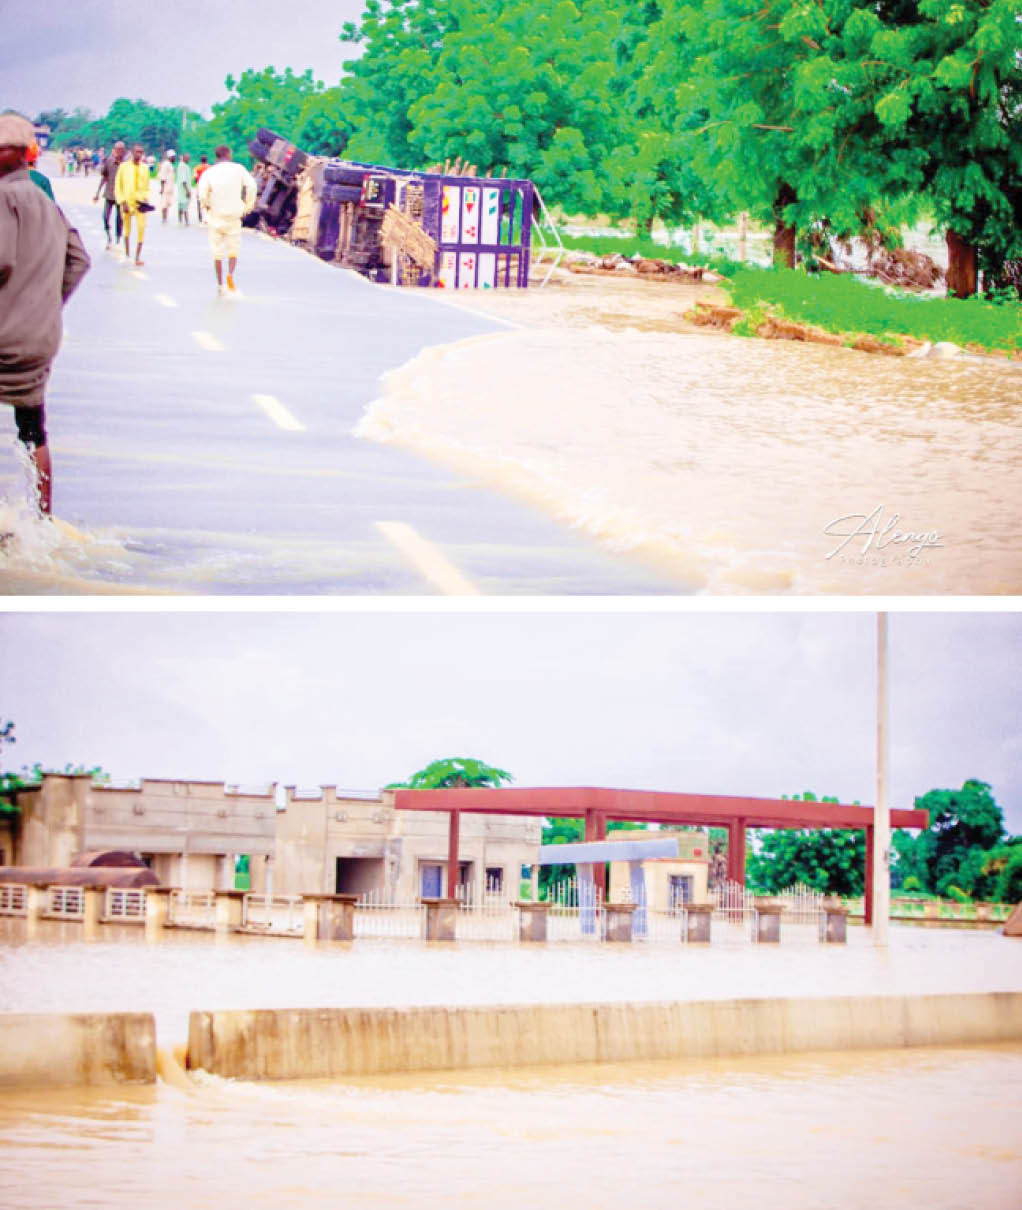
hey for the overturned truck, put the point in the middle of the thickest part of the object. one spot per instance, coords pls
(408, 228)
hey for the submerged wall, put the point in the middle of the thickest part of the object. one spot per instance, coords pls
(77, 1048)
(284, 1044)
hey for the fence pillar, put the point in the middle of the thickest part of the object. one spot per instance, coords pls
(441, 919)
(619, 920)
(532, 921)
(328, 917)
(834, 924)
(36, 898)
(157, 909)
(227, 910)
(766, 924)
(697, 923)
(93, 898)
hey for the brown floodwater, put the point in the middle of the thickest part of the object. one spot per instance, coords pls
(742, 466)
(940, 1128)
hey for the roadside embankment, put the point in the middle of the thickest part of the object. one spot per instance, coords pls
(287, 1044)
(77, 1048)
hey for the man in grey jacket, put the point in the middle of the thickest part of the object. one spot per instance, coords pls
(42, 260)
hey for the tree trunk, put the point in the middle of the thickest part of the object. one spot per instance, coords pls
(784, 236)
(961, 267)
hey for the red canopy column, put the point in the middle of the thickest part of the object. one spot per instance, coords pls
(596, 829)
(736, 851)
(452, 854)
(869, 876)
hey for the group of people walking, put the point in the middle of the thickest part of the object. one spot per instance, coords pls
(42, 258)
(224, 192)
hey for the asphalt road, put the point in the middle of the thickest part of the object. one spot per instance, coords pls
(204, 444)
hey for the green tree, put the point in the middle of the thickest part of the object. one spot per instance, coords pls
(827, 859)
(818, 111)
(964, 826)
(295, 105)
(516, 88)
(453, 771)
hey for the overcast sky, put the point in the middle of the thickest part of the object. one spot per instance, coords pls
(728, 703)
(90, 52)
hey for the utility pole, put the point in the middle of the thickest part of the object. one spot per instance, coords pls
(882, 810)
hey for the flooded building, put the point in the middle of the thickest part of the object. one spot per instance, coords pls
(191, 833)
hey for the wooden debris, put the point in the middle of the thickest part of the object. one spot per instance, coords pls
(403, 233)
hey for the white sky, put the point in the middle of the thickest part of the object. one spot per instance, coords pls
(90, 52)
(731, 703)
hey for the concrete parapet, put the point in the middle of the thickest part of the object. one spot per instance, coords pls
(157, 908)
(77, 1048)
(328, 917)
(619, 920)
(766, 923)
(441, 919)
(532, 920)
(286, 1044)
(698, 917)
(834, 925)
(227, 910)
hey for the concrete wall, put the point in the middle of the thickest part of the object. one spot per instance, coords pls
(182, 828)
(313, 832)
(78, 1048)
(189, 832)
(285, 1044)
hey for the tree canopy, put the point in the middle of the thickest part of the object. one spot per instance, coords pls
(454, 771)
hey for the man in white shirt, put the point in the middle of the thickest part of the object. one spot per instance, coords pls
(167, 178)
(227, 192)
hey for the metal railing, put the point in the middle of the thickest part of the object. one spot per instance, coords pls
(378, 916)
(124, 904)
(192, 909)
(576, 912)
(273, 913)
(495, 919)
(13, 899)
(66, 902)
(802, 905)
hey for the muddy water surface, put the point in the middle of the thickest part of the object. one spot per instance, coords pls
(742, 465)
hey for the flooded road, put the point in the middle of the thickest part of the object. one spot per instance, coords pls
(185, 970)
(582, 438)
(898, 1130)
(743, 466)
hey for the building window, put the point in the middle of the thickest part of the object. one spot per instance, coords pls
(679, 889)
(494, 879)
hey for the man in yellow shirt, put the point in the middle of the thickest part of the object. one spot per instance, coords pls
(131, 190)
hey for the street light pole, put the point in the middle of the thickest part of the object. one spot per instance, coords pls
(882, 810)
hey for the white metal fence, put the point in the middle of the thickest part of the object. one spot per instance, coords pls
(273, 913)
(67, 902)
(123, 903)
(13, 899)
(378, 916)
(495, 919)
(194, 909)
(802, 905)
(576, 912)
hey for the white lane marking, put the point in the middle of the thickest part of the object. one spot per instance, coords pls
(436, 567)
(278, 413)
(207, 341)
(165, 300)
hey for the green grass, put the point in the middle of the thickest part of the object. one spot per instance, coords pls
(845, 304)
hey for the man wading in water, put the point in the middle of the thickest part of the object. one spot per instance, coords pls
(42, 260)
